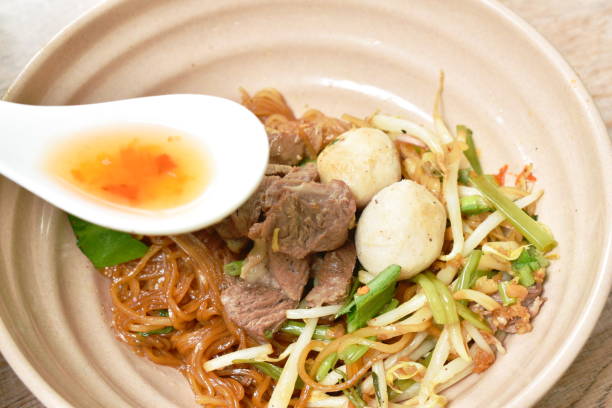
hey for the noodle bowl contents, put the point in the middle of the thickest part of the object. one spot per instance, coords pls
(146, 167)
(376, 264)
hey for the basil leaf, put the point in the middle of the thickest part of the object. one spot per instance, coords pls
(103, 246)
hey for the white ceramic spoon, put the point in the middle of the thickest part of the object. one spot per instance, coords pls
(234, 138)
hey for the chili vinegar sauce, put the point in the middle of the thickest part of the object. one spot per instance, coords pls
(144, 167)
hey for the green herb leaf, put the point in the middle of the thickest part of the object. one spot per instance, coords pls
(233, 268)
(163, 312)
(103, 246)
(529, 261)
(165, 330)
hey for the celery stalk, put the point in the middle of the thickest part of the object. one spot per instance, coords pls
(465, 277)
(471, 154)
(447, 299)
(433, 298)
(535, 233)
(472, 317)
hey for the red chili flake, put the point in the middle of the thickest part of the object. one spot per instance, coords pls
(123, 190)
(164, 163)
(363, 290)
(501, 175)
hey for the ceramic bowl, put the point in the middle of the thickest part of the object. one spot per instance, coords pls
(508, 84)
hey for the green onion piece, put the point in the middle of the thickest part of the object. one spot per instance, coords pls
(353, 395)
(164, 330)
(474, 204)
(233, 268)
(471, 154)
(426, 359)
(529, 261)
(463, 177)
(350, 300)
(433, 297)
(354, 352)
(163, 312)
(375, 380)
(326, 365)
(381, 291)
(393, 303)
(535, 233)
(466, 274)
(269, 369)
(473, 318)
(503, 288)
(294, 327)
(447, 299)
(103, 246)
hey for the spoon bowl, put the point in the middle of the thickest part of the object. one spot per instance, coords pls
(233, 138)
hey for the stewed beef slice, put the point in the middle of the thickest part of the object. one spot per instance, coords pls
(278, 169)
(291, 274)
(286, 146)
(310, 217)
(295, 177)
(237, 224)
(257, 308)
(333, 275)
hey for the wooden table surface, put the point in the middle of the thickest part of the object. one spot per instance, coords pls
(580, 29)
